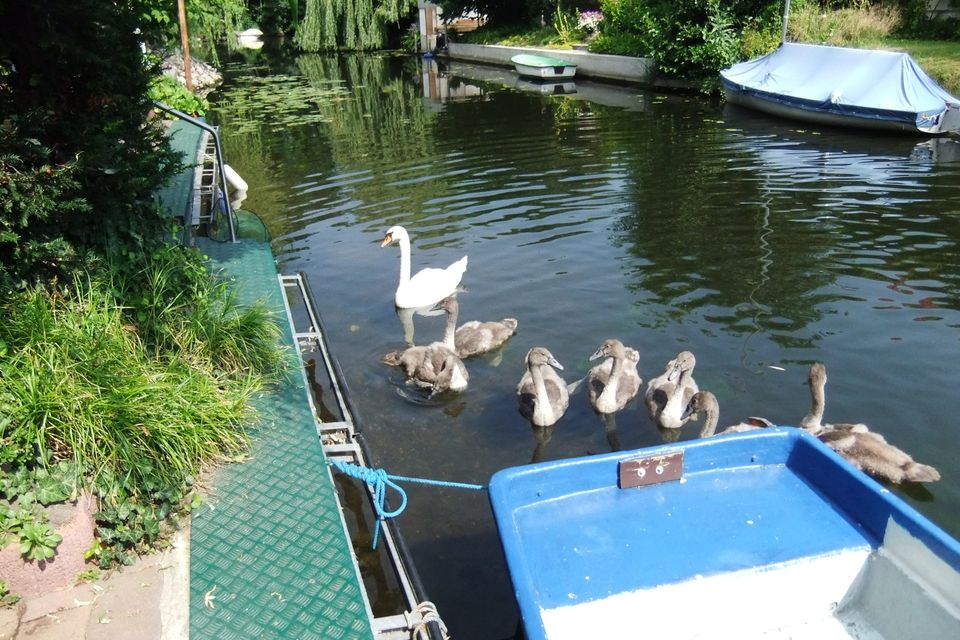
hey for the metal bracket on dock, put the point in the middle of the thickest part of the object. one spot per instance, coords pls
(340, 442)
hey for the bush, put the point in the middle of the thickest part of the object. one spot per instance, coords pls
(686, 38)
(170, 92)
(130, 399)
(78, 166)
(844, 26)
(621, 44)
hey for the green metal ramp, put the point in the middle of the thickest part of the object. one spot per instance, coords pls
(269, 555)
(181, 197)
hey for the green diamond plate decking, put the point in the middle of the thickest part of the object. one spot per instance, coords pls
(177, 197)
(269, 557)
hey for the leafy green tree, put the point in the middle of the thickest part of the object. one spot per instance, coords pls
(275, 16)
(211, 20)
(78, 164)
(353, 25)
(686, 38)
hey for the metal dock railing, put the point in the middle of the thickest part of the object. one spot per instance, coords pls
(342, 442)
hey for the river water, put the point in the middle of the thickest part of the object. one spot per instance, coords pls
(591, 211)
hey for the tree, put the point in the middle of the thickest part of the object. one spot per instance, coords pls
(349, 24)
(78, 165)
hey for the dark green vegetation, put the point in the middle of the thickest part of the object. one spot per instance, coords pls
(694, 39)
(125, 367)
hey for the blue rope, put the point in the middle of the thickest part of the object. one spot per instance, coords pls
(380, 480)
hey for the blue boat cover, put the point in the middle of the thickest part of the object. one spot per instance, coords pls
(852, 81)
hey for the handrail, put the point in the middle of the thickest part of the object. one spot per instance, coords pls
(219, 152)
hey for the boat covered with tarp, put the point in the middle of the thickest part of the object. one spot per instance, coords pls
(863, 88)
(762, 534)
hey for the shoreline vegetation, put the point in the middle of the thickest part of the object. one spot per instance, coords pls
(126, 365)
(861, 25)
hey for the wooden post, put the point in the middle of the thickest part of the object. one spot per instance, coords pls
(185, 45)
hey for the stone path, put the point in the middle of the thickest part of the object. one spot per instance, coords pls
(147, 600)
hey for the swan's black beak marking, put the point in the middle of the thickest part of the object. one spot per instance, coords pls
(387, 239)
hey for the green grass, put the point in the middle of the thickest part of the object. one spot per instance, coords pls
(514, 36)
(81, 385)
(131, 386)
(939, 58)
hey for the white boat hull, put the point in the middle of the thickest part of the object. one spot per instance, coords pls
(546, 73)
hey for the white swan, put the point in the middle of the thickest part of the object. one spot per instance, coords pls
(864, 449)
(706, 402)
(429, 286)
(668, 394)
(473, 337)
(613, 383)
(542, 393)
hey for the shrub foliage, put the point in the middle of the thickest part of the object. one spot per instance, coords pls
(78, 167)
(125, 368)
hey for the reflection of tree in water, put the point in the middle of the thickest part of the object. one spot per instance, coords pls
(381, 119)
(756, 252)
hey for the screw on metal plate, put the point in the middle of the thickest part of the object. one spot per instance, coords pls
(638, 472)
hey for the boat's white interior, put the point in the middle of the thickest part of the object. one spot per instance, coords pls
(898, 592)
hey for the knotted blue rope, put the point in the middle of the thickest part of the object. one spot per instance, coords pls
(379, 479)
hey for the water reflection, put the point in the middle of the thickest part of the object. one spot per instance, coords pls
(541, 436)
(547, 88)
(439, 87)
(406, 320)
(593, 92)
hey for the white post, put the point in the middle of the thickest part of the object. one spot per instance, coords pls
(429, 25)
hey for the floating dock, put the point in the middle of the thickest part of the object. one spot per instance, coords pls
(270, 547)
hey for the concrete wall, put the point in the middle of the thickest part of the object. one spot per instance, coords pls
(592, 65)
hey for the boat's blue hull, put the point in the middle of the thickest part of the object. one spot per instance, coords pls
(756, 513)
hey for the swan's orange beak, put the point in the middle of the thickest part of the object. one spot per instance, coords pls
(387, 239)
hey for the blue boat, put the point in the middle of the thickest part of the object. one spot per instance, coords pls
(764, 534)
(839, 86)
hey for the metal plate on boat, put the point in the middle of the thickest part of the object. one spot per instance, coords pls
(639, 472)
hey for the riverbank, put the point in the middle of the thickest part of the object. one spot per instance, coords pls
(598, 66)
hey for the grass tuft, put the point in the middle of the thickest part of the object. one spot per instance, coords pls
(841, 27)
(81, 385)
(130, 388)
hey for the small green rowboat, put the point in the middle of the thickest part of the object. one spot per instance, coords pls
(542, 67)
